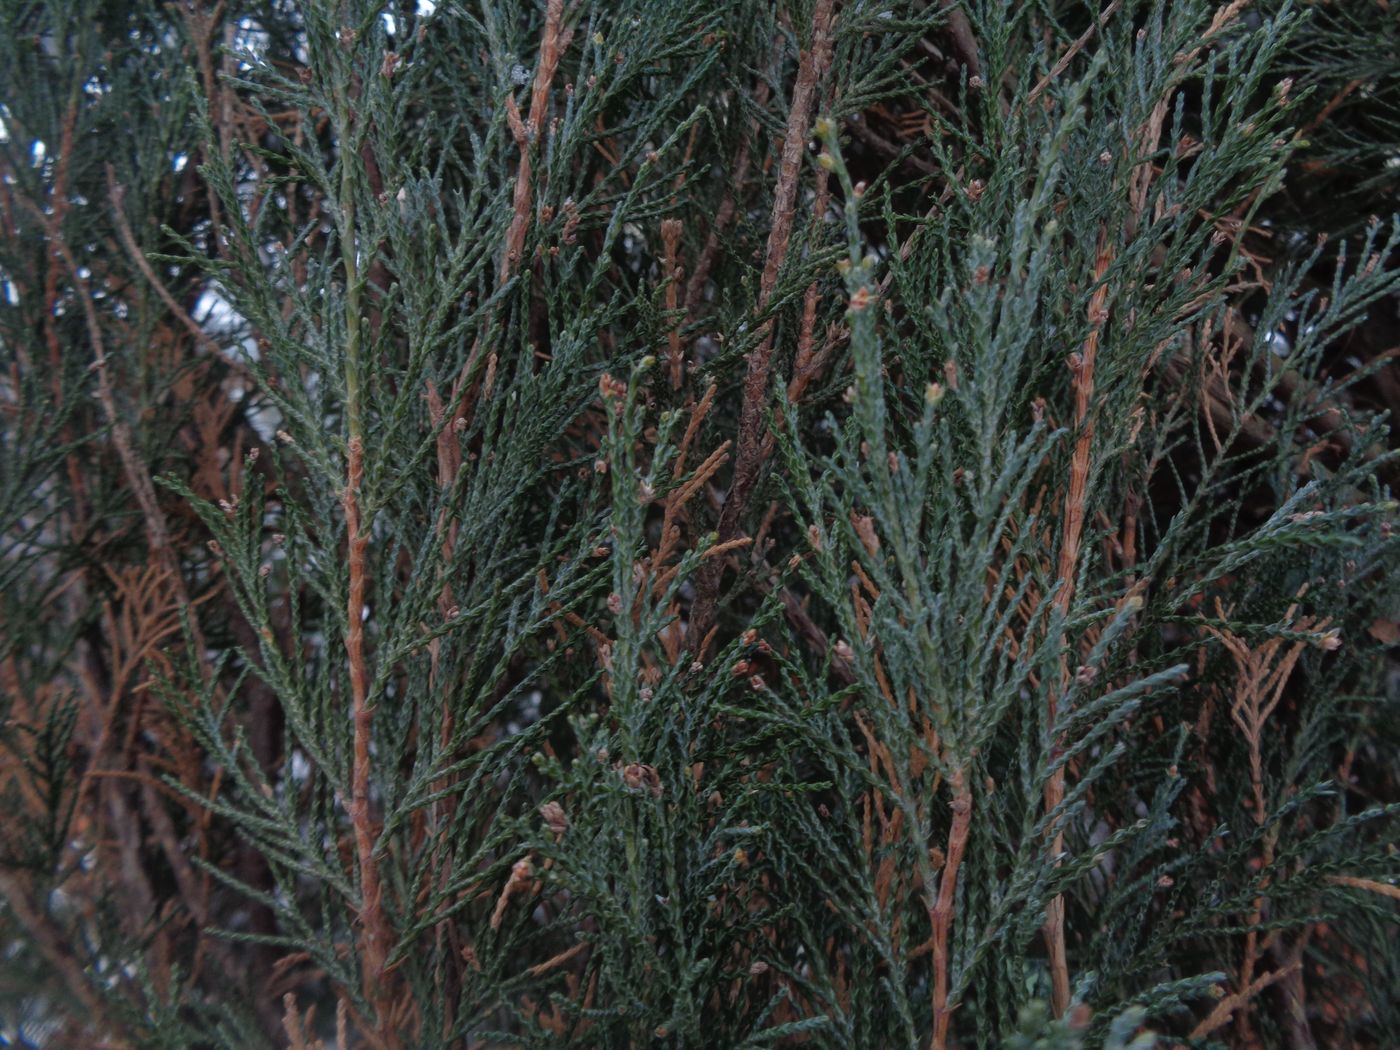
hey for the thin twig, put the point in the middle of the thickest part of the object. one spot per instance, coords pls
(1076, 505)
(695, 286)
(1074, 49)
(53, 944)
(960, 27)
(670, 241)
(1227, 1006)
(751, 438)
(117, 194)
(941, 917)
(553, 42)
(375, 934)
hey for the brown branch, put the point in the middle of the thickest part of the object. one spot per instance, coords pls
(1262, 674)
(1292, 990)
(671, 240)
(695, 287)
(375, 935)
(807, 364)
(1076, 504)
(201, 26)
(1227, 1006)
(859, 126)
(53, 944)
(264, 705)
(751, 439)
(553, 43)
(1325, 113)
(117, 195)
(941, 916)
(1385, 889)
(137, 476)
(960, 28)
(59, 202)
(1074, 49)
(557, 960)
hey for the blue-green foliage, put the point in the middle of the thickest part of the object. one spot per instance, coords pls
(1078, 290)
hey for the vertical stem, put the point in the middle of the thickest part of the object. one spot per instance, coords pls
(671, 240)
(1076, 504)
(374, 931)
(553, 42)
(942, 914)
(751, 446)
(348, 248)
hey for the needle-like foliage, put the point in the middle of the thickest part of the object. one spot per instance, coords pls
(698, 523)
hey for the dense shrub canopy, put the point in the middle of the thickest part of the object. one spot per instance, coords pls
(698, 523)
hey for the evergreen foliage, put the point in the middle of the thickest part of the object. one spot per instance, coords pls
(699, 523)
